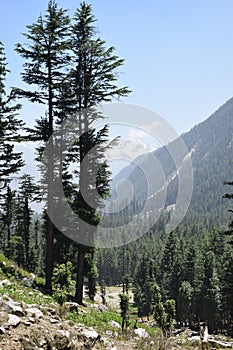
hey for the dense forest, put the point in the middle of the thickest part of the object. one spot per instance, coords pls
(69, 70)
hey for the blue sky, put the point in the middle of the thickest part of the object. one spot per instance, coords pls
(178, 53)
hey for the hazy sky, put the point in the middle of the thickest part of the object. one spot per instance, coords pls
(178, 54)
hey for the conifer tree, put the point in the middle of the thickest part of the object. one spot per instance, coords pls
(10, 161)
(93, 81)
(46, 59)
(28, 191)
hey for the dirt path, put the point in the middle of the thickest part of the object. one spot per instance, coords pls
(112, 297)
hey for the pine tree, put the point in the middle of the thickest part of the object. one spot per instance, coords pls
(28, 191)
(46, 59)
(7, 219)
(10, 161)
(229, 196)
(92, 81)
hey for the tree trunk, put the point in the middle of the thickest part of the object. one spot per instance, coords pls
(49, 256)
(50, 174)
(80, 273)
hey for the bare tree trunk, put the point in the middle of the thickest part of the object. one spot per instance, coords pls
(80, 274)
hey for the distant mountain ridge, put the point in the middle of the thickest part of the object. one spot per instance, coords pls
(210, 146)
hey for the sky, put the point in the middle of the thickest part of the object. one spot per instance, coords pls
(178, 53)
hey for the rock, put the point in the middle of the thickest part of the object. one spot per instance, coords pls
(65, 334)
(28, 281)
(54, 320)
(34, 312)
(114, 324)
(90, 334)
(13, 308)
(31, 320)
(5, 283)
(103, 308)
(141, 332)
(5, 297)
(2, 330)
(106, 343)
(51, 311)
(72, 306)
(13, 321)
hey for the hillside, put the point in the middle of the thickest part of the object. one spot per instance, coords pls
(210, 145)
(31, 320)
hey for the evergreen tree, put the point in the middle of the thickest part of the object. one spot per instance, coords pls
(28, 191)
(229, 196)
(211, 291)
(46, 58)
(92, 82)
(10, 161)
(227, 287)
(144, 282)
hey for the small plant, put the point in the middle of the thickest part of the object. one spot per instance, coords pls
(164, 313)
(62, 282)
(124, 305)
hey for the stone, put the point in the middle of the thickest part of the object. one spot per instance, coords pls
(51, 311)
(90, 334)
(13, 308)
(28, 281)
(54, 320)
(65, 334)
(72, 306)
(114, 324)
(5, 283)
(34, 312)
(106, 343)
(31, 320)
(13, 321)
(141, 332)
(103, 308)
(2, 330)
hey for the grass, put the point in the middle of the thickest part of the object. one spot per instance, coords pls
(93, 318)
(17, 290)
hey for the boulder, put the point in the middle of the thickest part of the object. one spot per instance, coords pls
(13, 321)
(13, 308)
(90, 334)
(72, 306)
(34, 312)
(141, 332)
(28, 281)
(114, 324)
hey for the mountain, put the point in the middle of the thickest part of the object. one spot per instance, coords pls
(209, 147)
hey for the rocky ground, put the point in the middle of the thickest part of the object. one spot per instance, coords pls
(41, 326)
(37, 326)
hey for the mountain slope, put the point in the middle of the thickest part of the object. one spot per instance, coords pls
(210, 146)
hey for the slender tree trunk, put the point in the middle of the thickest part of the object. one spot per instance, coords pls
(80, 274)
(50, 226)
(26, 233)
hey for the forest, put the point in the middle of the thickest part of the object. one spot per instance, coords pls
(186, 274)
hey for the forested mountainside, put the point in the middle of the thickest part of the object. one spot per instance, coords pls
(210, 144)
(180, 276)
(192, 264)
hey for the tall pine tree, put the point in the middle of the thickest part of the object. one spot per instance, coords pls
(93, 81)
(46, 58)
